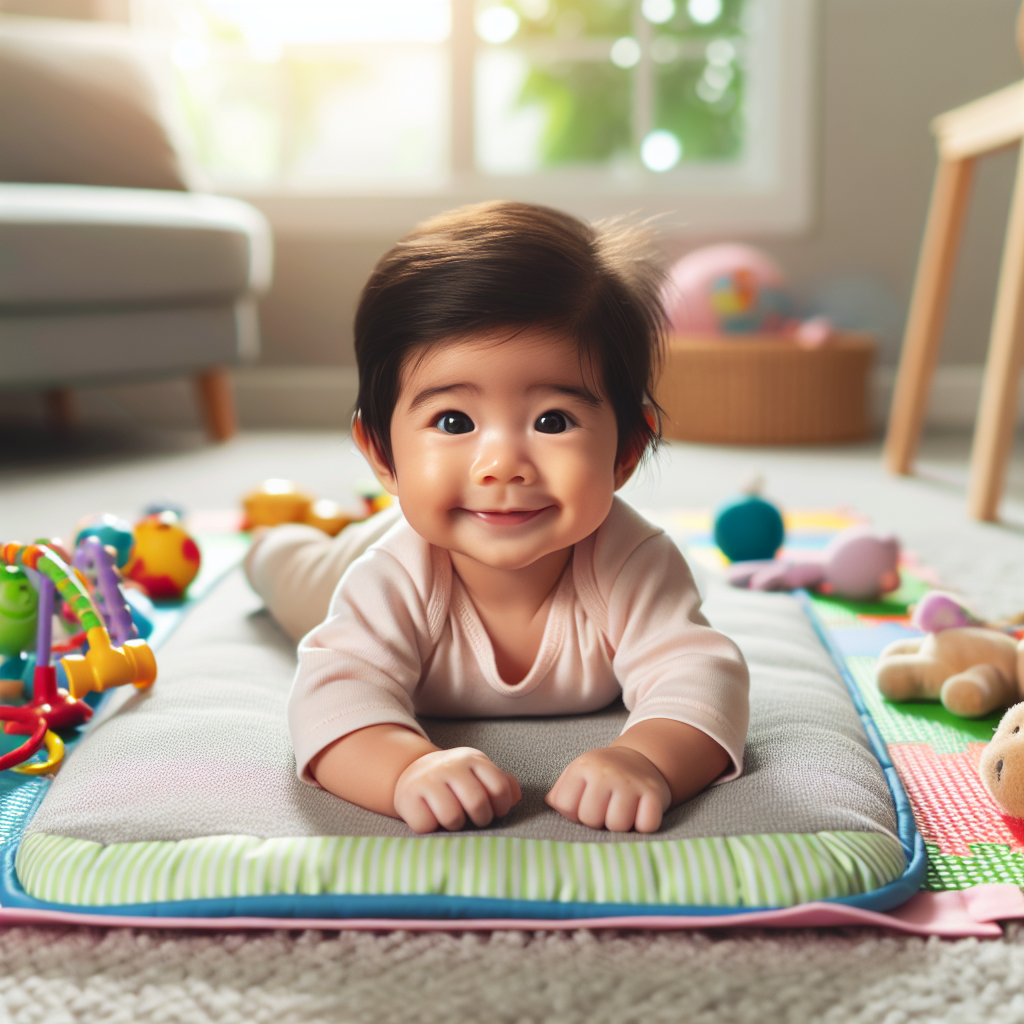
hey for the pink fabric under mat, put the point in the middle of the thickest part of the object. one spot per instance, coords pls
(952, 915)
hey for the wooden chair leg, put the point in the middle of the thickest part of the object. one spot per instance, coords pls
(927, 312)
(997, 411)
(60, 408)
(217, 403)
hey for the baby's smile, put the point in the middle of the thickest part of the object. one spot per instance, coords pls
(509, 517)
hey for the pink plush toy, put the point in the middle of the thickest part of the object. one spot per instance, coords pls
(939, 610)
(734, 290)
(860, 564)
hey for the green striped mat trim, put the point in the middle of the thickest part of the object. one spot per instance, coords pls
(737, 871)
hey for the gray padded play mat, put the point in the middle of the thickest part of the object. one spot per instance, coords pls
(184, 798)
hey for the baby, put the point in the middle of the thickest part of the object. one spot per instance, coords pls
(506, 358)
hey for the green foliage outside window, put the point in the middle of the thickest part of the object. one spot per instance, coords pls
(587, 107)
(697, 80)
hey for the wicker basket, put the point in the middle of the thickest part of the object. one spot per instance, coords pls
(766, 390)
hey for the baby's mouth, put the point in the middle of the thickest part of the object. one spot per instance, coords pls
(509, 517)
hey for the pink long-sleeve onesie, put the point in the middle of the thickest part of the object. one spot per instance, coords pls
(402, 638)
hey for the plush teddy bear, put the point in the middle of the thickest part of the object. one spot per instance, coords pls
(1002, 763)
(972, 670)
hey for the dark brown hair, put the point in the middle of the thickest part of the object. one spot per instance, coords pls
(505, 264)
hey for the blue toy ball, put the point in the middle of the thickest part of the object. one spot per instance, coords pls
(112, 532)
(748, 528)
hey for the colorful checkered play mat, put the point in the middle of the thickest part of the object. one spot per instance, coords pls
(935, 754)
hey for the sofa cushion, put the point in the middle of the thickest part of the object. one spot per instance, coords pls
(67, 245)
(79, 104)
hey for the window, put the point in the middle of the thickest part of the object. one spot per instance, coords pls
(386, 110)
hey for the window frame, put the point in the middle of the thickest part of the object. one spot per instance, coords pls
(770, 192)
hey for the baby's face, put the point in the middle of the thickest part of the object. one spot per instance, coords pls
(503, 451)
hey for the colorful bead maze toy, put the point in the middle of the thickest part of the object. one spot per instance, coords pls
(100, 666)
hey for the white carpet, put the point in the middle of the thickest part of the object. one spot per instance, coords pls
(58, 975)
(857, 977)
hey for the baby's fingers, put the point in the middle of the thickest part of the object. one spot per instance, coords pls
(566, 793)
(621, 812)
(446, 807)
(649, 813)
(502, 789)
(417, 815)
(473, 797)
(593, 806)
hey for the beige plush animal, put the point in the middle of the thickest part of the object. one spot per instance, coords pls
(1002, 763)
(972, 670)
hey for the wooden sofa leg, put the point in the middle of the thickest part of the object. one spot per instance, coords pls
(60, 408)
(217, 403)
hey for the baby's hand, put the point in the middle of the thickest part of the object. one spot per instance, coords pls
(612, 787)
(440, 788)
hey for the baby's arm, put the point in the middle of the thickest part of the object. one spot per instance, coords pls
(651, 767)
(392, 770)
(351, 713)
(684, 683)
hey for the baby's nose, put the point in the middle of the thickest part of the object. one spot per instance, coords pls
(503, 461)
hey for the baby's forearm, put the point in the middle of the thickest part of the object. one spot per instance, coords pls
(364, 766)
(689, 759)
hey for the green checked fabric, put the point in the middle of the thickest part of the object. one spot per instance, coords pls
(968, 842)
(739, 871)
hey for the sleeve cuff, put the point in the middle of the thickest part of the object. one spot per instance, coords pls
(313, 742)
(722, 733)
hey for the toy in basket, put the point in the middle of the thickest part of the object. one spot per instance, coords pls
(100, 665)
(741, 368)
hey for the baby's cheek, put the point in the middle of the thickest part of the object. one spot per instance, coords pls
(586, 489)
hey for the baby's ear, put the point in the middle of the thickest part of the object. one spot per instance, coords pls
(368, 446)
(627, 462)
(625, 468)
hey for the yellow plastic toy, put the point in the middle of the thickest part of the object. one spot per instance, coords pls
(276, 502)
(165, 559)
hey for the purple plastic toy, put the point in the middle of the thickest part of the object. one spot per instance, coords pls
(96, 561)
(860, 564)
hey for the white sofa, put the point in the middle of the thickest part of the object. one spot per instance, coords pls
(110, 267)
(98, 284)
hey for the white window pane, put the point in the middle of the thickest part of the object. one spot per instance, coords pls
(379, 120)
(338, 21)
(314, 93)
(230, 109)
(508, 135)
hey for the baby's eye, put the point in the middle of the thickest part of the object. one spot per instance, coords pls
(454, 423)
(552, 423)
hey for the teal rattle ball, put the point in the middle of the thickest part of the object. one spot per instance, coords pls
(112, 531)
(748, 528)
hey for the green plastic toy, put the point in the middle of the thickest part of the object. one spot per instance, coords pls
(19, 605)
